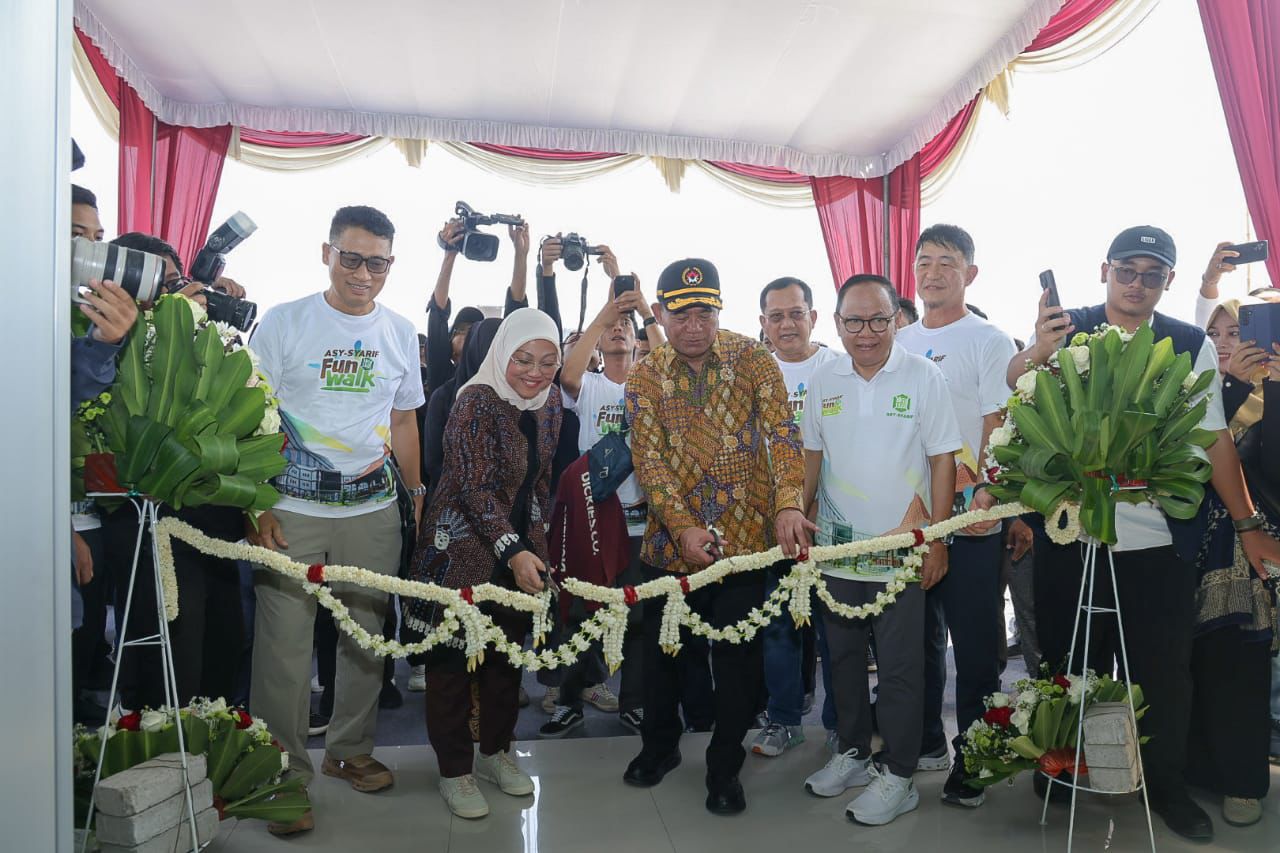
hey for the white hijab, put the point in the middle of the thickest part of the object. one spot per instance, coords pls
(519, 327)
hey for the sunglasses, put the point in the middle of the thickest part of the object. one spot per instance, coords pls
(1151, 279)
(376, 264)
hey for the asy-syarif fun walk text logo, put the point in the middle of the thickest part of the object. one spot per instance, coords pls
(351, 370)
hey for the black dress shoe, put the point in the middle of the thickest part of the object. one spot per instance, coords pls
(724, 795)
(647, 769)
(1183, 816)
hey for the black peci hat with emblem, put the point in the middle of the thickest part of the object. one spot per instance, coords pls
(692, 281)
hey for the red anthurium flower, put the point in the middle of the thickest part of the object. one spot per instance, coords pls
(1061, 681)
(130, 722)
(243, 720)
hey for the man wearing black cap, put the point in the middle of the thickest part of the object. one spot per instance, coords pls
(1154, 556)
(718, 456)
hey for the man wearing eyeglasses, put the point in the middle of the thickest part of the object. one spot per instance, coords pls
(717, 454)
(1154, 557)
(787, 318)
(972, 354)
(346, 371)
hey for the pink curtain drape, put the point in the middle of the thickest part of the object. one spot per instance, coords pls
(851, 213)
(850, 209)
(296, 138)
(1244, 45)
(168, 175)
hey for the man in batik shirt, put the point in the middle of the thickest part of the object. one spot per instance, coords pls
(718, 456)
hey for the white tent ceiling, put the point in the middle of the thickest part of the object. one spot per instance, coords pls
(820, 87)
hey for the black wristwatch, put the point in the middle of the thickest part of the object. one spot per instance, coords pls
(649, 321)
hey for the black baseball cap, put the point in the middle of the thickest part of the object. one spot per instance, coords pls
(1143, 241)
(468, 316)
(689, 282)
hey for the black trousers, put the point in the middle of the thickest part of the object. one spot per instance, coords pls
(206, 637)
(1156, 591)
(89, 649)
(1230, 718)
(737, 670)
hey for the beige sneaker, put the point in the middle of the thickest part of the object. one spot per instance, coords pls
(502, 771)
(550, 699)
(463, 797)
(1241, 811)
(364, 772)
(602, 697)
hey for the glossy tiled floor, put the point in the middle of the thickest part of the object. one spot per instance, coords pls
(582, 806)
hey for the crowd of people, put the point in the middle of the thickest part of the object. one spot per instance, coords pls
(653, 442)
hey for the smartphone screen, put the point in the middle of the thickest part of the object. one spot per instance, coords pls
(622, 284)
(1261, 324)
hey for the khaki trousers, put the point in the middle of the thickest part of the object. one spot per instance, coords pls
(281, 689)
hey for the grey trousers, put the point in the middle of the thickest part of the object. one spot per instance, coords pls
(899, 634)
(281, 691)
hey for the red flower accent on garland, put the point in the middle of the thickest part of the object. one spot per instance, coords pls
(993, 474)
(803, 556)
(315, 572)
(130, 722)
(919, 535)
(1001, 717)
(684, 584)
(467, 595)
(629, 595)
(1061, 681)
(243, 720)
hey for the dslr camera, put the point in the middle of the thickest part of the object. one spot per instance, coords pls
(474, 244)
(209, 264)
(141, 274)
(574, 250)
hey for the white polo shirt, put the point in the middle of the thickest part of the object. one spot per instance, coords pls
(876, 437)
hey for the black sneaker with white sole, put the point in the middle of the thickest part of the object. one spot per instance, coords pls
(563, 721)
(318, 724)
(632, 719)
(956, 793)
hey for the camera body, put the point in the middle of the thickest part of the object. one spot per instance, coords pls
(474, 244)
(574, 250)
(208, 265)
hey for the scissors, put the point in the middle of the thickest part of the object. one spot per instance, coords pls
(716, 547)
(551, 583)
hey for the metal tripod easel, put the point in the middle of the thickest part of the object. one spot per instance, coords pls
(146, 509)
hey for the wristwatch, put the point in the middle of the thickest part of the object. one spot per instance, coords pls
(649, 321)
(418, 491)
(1253, 522)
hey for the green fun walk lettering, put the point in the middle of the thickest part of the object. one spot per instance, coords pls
(353, 373)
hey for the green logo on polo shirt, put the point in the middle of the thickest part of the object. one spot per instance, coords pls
(902, 403)
(832, 405)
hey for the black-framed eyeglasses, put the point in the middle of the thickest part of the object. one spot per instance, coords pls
(175, 285)
(376, 264)
(1151, 279)
(854, 325)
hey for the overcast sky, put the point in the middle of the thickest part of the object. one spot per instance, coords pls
(1135, 137)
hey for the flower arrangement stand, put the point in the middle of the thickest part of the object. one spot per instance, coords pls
(1085, 611)
(146, 509)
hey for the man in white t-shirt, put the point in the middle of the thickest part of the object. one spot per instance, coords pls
(972, 355)
(1156, 576)
(597, 398)
(346, 371)
(880, 437)
(787, 318)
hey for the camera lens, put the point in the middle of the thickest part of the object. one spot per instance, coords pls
(139, 273)
(223, 308)
(572, 252)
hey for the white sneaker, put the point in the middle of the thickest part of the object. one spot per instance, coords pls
(775, 739)
(939, 759)
(602, 697)
(551, 699)
(463, 797)
(844, 771)
(418, 678)
(885, 798)
(503, 772)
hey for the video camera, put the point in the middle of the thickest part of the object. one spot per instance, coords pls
(209, 264)
(474, 244)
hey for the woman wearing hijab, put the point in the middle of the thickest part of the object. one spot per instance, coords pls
(484, 524)
(1235, 632)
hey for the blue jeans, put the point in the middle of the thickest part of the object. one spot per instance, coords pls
(783, 659)
(968, 603)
